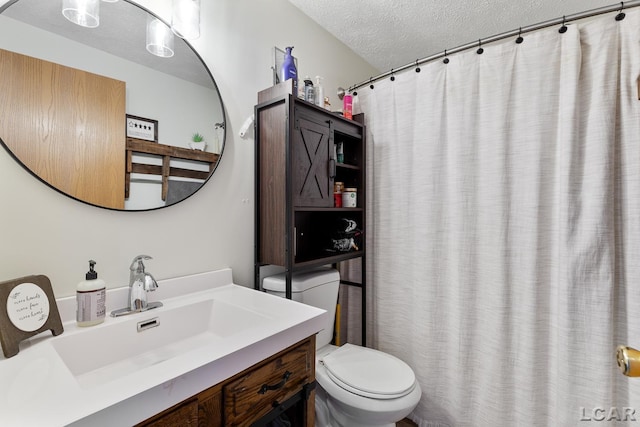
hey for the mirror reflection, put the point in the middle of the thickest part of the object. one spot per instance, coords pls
(93, 114)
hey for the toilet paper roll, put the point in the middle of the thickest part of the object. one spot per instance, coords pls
(628, 361)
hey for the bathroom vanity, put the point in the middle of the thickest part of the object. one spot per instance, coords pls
(218, 354)
(280, 386)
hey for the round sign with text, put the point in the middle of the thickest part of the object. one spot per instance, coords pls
(28, 307)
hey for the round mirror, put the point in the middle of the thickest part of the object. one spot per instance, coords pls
(123, 115)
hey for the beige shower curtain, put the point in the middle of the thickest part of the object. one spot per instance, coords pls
(504, 227)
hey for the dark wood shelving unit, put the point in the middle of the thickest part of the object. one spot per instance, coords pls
(296, 169)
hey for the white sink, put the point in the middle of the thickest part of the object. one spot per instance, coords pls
(209, 329)
(110, 351)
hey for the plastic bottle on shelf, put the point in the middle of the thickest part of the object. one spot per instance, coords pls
(309, 94)
(319, 92)
(347, 111)
(288, 70)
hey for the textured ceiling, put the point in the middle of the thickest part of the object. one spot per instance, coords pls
(392, 33)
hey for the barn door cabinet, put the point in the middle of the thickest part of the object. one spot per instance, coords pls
(296, 222)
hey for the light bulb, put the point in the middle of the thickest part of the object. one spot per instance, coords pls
(85, 13)
(159, 38)
(185, 19)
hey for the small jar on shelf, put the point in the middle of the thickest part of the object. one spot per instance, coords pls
(349, 197)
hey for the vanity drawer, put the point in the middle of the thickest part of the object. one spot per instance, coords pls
(254, 394)
(183, 415)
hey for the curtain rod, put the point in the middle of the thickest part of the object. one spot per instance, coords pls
(618, 7)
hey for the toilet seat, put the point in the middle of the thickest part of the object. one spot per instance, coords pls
(368, 372)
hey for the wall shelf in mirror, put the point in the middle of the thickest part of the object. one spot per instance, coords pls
(167, 153)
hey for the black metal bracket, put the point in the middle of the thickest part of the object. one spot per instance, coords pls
(308, 388)
(280, 408)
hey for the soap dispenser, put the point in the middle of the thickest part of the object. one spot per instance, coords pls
(91, 295)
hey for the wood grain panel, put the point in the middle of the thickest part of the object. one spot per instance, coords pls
(312, 185)
(236, 401)
(65, 125)
(272, 182)
(184, 414)
(210, 408)
(256, 393)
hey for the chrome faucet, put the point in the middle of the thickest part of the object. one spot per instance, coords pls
(140, 282)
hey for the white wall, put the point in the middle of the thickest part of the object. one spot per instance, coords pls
(44, 232)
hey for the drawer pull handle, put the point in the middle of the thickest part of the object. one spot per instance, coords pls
(265, 388)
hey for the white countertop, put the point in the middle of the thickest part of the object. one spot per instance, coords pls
(38, 389)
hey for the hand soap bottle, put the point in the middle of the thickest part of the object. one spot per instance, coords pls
(91, 295)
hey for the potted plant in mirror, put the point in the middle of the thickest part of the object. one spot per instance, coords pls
(197, 142)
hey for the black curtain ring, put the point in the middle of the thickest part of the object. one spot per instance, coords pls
(370, 83)
(563, 29)
(392, 78)
(417, 67)
(445, 60)
(480, 50)
(519, 39)
(620, 16)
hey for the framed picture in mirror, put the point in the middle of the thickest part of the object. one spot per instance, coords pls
(141, 128)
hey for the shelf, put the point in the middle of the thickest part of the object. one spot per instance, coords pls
(328, 260)
(147, 147)
(346, 127)
(337, 210)
(346, 166)
(297, 226)
(168, 153)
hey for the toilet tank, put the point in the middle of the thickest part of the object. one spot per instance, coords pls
(318, 288)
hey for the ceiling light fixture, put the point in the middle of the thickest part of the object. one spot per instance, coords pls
(85, 13)
(159, 38)
(185, 19)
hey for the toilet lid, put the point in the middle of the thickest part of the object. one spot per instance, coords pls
(368, 372)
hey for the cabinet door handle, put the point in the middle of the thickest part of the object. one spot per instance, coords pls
(265, 387)
(332, 168)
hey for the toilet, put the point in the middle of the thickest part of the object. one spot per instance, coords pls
(357, 386)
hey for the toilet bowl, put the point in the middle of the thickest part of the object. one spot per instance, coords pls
(357, 386)
(363, 387)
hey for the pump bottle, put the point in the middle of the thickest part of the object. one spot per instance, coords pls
(288, 70)
(91, 296)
